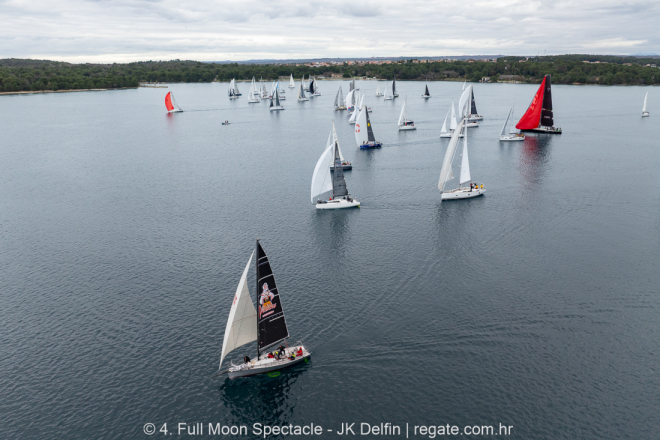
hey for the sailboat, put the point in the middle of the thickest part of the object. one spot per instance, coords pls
(171, 104)
(301, 93)
(316, 92)
(264, 92)
(426, 94)
(267, 326)
(350, 100)
(291, 83)
(394, 93)
(233, 90)
(452, 124)
(464, 106)
(356, 111)
(364, 135)
(323, 181)
(253, 96)
(446, 174)
(405, 123)
(277, 106)
(473, 115)
(306, 86)
(644, 112)
(378, 92)
(539, 116)
(345, 165)
(511, 135)
(339, 100)
(312, 87)
(389, 92)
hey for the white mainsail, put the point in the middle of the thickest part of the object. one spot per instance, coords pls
(321, 179)
(301, 93)
(446, 172)
(378, 91)
(291, 83)
(465, 163)
(339, 98)
(354, 115)
(403, 117)
(389, 92)
(242, 322)
(361, 134)
(506, 123)
(645, 99)
(349, 99)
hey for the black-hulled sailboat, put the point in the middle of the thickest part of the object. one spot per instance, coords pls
(266, 324)
(539, 116)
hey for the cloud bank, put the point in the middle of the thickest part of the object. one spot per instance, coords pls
(131, 30)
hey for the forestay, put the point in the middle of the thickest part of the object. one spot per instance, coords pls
(242, 322)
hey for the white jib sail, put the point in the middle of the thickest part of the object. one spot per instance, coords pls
(242, 321)
(402, 116)
(176, 106)
(444, 124)
(291, 83)
(349, 99)
(645, 98)
(321, 179)
(361, 134)
(445, 172)
(506, 123)
(452, 122)
(354, 115)
(465, 101)
(465, 163)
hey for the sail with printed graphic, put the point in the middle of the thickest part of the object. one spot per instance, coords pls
(271, 323)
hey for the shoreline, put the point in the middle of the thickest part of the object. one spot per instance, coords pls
(29, 92)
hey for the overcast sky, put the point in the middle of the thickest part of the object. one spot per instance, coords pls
(132, 30)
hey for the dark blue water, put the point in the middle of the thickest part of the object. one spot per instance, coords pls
(125, 231)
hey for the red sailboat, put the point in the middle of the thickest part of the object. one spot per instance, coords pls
(170, 103)
(538, 116)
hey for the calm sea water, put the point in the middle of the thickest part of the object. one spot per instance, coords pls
(125, 231)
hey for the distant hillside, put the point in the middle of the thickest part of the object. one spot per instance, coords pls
(35, 75)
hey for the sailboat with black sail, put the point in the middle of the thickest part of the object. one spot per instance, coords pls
(473, 115)
(275, 106)
(539, 116)
(394, 93)
(266, 325)
(426, 94)
(364, 135)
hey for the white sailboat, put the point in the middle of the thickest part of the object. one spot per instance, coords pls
(354, 114)
(291, 83)
(389, 92)
(324, 181)
(275, 100)
(340, 104)
(446, 174)
(452, 124)
(378, 92)
(350, 100)
(253, 96)
(267, 327)
(405, 123)
(314, 88)
(508, 133)
(645, 113)
(301, 93)
(332, 137)
(233, 92)
(264, 91)
(464, 105)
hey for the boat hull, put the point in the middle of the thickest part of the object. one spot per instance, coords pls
(338, 204)
(512, 138)
(542, 129)
(645, 114)
(471, 125)
(175, 111)
(340, 108)
(266, 365)
(475, 118)
(302, 99)
(276, 108)
(426, 96)
(462, 193)
(448, 135)
(407, 127)
(370, 145)
(343, 167)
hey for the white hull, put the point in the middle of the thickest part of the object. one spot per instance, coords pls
(340, 108)
(176, 110)
(377, 94)
(316, 94)
(475, 118)
(234, 97)
(388, 98)
(407, 127)
(462, 193)
(448, 135)
(471, 124)
(338, 204)
(302, 99)
(512, 138)
(645, 114)
(266, 365)
(276, 108)
(426, 96)
(252, 101)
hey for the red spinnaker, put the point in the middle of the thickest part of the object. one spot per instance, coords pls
(532, 116)
(168, 102)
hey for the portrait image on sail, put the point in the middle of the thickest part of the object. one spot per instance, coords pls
(265, 324)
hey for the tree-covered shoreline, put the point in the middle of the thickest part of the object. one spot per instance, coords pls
(41, 75)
